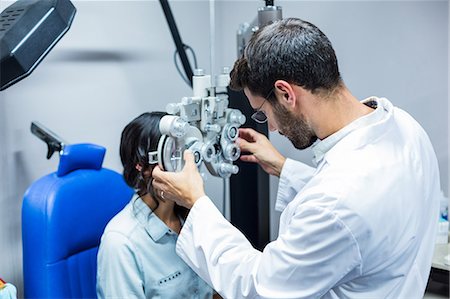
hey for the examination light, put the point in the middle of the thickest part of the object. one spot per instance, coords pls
(28, 31)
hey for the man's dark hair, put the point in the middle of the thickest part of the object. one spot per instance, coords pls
(292, 50)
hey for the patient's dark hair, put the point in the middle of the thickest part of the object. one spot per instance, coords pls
(140, 137)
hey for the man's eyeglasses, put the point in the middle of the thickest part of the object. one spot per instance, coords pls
(259, 116)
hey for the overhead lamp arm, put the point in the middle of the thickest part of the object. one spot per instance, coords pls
(180, 46)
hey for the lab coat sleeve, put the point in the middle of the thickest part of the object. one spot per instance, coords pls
(293, 177)
(118, 268)
(314, 253)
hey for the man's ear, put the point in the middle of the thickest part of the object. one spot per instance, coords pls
(285, 91)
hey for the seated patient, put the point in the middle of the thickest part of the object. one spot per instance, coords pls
(137, 256)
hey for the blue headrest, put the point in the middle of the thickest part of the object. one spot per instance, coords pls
(63, 217)
(80, 156)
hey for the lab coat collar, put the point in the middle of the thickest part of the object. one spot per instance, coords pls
(321, 148)
(154, 226)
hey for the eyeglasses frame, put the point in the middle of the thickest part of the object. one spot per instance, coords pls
(259, 111)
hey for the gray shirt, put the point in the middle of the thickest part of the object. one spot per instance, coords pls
(137, 259)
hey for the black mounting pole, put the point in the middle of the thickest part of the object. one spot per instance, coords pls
(177, 39)
(249, 188)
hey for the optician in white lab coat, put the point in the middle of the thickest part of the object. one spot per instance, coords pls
(361, 224)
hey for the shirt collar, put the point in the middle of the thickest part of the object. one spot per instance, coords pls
(154, 226)
(321, 147)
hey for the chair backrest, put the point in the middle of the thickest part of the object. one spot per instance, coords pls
(63, 217)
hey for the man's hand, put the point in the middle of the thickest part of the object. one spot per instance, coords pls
(183, 187)
(260, 151)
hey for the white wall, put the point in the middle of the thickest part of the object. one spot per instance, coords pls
(116, 62)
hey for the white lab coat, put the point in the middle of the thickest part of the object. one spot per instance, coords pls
(360, 225)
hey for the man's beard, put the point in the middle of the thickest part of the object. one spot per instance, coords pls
(294, 128)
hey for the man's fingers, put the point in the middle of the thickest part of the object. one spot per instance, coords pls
(245, 146)
(157, 173)
(189, 159)
(157, 185)
(158, 178)
(188, 156)
(248, 134)
(162, 179)
(249, 158)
